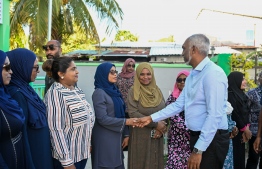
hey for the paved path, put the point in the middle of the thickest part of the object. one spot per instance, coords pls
(88, 165)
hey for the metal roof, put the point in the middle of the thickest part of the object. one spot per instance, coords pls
(150, 49)
(136, 44)
(171, 50)
(127, 53)
(224, 50)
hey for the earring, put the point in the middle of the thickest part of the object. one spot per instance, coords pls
(62, 77)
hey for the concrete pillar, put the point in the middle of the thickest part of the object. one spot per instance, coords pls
(4, 24)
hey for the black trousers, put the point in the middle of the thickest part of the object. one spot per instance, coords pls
(215, 154)
(253, 157)
(239, 151)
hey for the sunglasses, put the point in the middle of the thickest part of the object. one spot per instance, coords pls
(36, 68)
(51, 47)
(113, 72)
(131, 65)
(179, 80)
(7, 67)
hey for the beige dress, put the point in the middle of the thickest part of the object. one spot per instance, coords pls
(144, 152)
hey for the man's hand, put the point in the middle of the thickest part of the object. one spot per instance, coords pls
(125, 142)
(256, 145)
(143, 121)
(194, 161)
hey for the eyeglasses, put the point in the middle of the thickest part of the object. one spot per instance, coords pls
(179, 80)
(113, 72)
(7, 67)
(36, 68)
(51, 47)
(131, 65)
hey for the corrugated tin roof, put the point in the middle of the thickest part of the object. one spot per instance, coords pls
(224, 50)
(165, 51)
(127, 53)
(155, 49)
(83, 52)
(137, 44)
(177, 50)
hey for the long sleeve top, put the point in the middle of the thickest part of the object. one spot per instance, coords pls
(108, 132)
(204, 100)
(70, 119)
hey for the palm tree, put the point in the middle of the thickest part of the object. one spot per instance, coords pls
(65, 13)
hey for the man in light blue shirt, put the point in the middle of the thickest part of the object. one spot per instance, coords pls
(204, 100)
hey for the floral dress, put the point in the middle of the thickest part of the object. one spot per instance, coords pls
(178, 140)
(229, 164)
(124, 85)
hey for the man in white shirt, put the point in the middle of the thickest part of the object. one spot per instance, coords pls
(204, 100)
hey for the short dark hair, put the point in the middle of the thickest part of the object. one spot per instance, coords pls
(60, 65)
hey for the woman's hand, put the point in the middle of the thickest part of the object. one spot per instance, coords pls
(234, 132)
(125, 142)
(132, 122)
(248, 133)
(70, 167)
(158, 134)
(161, 126)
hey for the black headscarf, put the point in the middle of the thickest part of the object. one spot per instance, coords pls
(234, 85)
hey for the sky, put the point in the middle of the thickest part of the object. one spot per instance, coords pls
(155, 19)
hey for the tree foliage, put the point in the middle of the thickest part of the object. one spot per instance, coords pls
(65, 13)
(124, 35)
(241, 63)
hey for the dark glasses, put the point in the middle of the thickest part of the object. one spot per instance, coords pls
(7, 67)
(36, 68)
(179, 80)
(131, 65)
(113, 72)
(51, 47)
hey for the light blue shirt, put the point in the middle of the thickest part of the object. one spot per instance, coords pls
(204, 100)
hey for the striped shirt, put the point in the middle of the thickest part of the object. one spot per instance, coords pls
(70, 119)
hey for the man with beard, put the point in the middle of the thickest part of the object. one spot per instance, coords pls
(203, 99)
(52, 50)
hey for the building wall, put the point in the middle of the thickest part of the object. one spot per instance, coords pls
(165, 75)
(174, 59)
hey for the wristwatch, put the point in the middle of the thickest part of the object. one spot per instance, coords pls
(196, 151)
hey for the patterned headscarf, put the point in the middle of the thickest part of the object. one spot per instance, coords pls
(7, 104)
(124, 73)
(148, 95)
(22, 62)
(176, 91)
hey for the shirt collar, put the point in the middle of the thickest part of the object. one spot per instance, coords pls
(202, 64)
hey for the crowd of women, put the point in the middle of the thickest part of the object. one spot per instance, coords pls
(63, 130)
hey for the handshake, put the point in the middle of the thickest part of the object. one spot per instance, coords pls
(138, 122)
(143, 121)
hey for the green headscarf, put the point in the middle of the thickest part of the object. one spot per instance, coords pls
(148, 95)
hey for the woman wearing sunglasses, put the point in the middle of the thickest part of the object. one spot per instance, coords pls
(146, 145)
(36, 135)
(11, 122)
(70, 116)
(125, 79)
(110, 133)
(178, 134)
